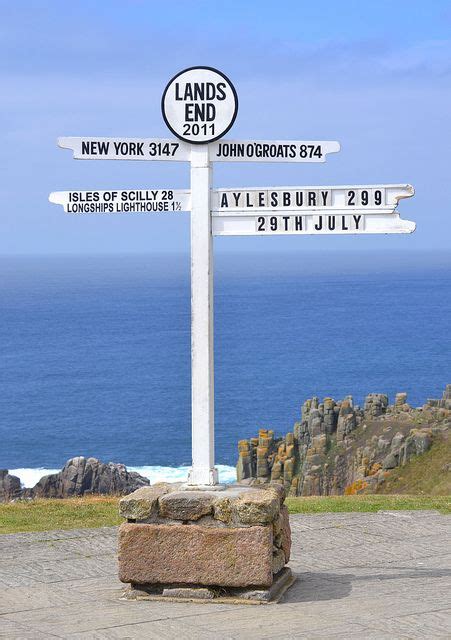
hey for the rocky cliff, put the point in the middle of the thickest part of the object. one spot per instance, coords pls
(338, 447)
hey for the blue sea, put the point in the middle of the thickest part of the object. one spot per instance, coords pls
(95, 350)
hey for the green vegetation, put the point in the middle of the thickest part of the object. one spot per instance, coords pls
(428, 474)
(340, 504)
(97, 511)
(45, 514)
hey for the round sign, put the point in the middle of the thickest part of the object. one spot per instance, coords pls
(199, 105)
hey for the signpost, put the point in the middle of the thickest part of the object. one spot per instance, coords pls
(199, 105)
(123, 201)
(310, 210)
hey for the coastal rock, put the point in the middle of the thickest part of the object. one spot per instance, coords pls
(336, 447)
(390, 461)
(400, 399)
(375, 404)
(397, 441)
(444, 402)
(10, 488)
(81, 476)
(422, 439)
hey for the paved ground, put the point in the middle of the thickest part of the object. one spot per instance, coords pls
(385, 575)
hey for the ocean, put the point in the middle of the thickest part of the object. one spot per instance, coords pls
(95, 350)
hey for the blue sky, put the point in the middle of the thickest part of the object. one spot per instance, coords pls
(374, 75)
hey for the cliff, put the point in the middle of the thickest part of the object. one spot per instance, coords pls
(340, 448)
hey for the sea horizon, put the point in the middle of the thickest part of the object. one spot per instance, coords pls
(97, 347)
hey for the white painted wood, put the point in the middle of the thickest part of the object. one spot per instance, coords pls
(123, 201)
(272, 150)
(366, 199)
(294, 223)
(86, 148)
(199, 106)
(203, 471)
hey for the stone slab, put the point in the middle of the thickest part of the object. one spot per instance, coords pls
(234, 506)
(191, 554)
(403, 595)
(142, 504)
(186, 505)
(282, 581)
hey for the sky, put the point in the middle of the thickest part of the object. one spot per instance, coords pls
(374, 75)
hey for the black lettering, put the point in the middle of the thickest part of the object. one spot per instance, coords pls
(331, 223)
(224, 201)
(199, 91)
(343, 224)
(94, 148)
(211, 112)
(220, 93)
(274, 199)
(324, 195)
(286, 220)
(189, 115)
(357, 221)
(311, 199)
(298, 223)
(319, 224)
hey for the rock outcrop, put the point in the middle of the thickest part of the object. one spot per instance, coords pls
(80, 476)
(9, 486)
(337, 447)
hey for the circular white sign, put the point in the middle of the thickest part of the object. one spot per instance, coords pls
(199, 105)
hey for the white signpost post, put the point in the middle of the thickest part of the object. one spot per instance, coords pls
(199, 106)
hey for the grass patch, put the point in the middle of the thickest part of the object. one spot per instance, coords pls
(341, 504)
(423, 475)
(46, 514)
(98, 511)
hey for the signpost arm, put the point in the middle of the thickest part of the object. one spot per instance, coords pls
(203, 471)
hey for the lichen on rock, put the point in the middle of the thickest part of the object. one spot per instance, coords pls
(337, 445)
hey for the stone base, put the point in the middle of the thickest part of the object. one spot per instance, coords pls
(198, 542)
(204, 594)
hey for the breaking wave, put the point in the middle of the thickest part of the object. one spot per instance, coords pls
(227, 474)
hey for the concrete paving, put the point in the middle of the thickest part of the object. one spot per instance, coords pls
(384, 575)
